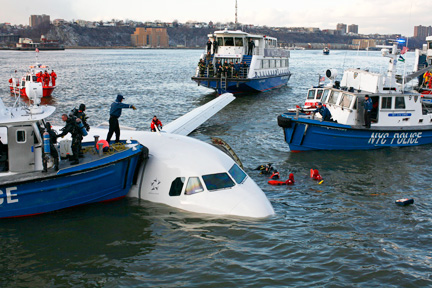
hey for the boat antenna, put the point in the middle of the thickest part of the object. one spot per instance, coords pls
(236, 13)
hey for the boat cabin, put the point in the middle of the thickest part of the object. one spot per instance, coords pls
(396, 110)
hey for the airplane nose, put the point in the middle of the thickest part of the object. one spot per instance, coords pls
(254, 203)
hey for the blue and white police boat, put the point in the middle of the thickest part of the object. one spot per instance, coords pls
(398, 118)
(25, 189)
(258, 64)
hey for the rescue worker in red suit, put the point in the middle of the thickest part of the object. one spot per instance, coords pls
(275, 175)
(155, 123)
(46, 78)
(39, 76)
(53, 77)
(290, 180)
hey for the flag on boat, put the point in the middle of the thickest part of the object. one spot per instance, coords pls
(321, 79)
(37, 50)
(404, 50)
(401, 58)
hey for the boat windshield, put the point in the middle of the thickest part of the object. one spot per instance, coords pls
(311, 94)
(218, 181)
(228, 41)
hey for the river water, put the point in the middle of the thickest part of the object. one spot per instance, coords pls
(345, 232)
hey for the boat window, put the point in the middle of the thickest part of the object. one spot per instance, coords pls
(218, 181)
(193, 186)
(20, 136)
(229, 41)
(237, 173)
(325, 94)
(430, 45)
(311, 94)
(177, 186)
(346, 100)
(265, 64)
(319, 94)
(272, 63)
(333, 97)
(386, 102)
(220, 41)
(278, 63)
(400, 103)
(239, 42)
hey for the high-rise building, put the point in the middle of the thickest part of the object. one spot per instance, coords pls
(353, 28)
(150, 37)
(342, 28)
(36, 20)
(422, 31)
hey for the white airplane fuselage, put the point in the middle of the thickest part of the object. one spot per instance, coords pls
(174, 157)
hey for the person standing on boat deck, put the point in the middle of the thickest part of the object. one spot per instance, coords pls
(72, 127)
(251, 46)
(53, 77)
(81, 115)
(208, 58)
(46, 78)
(368, 105)
(209, 45)
(155, 123)
(325, 113)
(115, 113)
(215, 45)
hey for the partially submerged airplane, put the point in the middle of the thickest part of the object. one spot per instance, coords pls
(190, 174)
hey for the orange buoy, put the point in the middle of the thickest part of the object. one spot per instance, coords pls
(105, 145)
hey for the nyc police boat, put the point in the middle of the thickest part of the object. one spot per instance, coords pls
(398, 118)
(257, 64)
(26, 190)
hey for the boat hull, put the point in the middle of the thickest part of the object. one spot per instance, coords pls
(308, 134)
(105, 179)
(46, 91)
(239, 85)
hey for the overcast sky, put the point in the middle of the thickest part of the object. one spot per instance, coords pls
(372, 16)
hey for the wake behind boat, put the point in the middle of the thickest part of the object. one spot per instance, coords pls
(239, 62)
(398, 118)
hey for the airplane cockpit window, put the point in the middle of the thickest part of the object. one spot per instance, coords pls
(177, 186)
(193, 186)
(237, 173)
(218, 181)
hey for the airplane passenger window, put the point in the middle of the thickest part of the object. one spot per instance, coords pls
(218, 181)
(193, 186)
(237, 173)
(400, 103)
(177, 186)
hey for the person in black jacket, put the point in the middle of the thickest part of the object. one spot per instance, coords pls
(72, 127)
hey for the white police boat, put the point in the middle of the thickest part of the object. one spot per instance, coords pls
(25, 189)
(192, 175)
(265, 69)
(398, 118)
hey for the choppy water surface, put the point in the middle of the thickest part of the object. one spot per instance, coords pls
(346, 232)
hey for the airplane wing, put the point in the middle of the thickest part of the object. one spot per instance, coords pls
(414, 75)
(190, 121)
